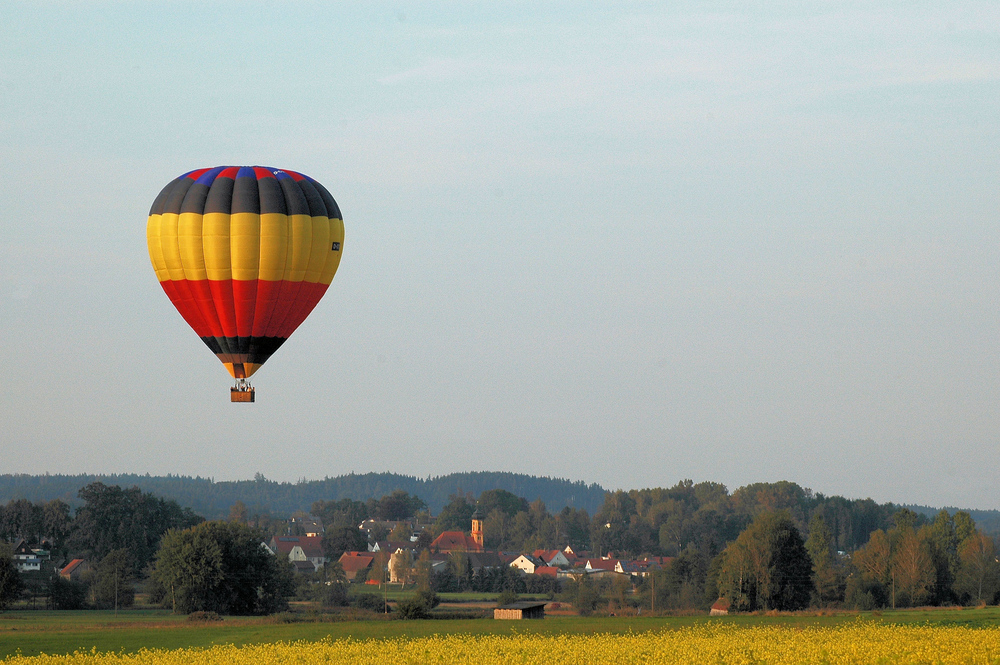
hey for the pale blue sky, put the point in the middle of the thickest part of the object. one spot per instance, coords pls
(625, 243)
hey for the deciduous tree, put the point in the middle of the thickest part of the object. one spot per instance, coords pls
(112, 582)
(979, 573)
(912, 568)
(221, 567)
(10, 581)
(827, 580)
(767, 567)
(112, 518)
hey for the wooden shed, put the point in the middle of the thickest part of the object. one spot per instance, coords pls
(521, 610)
(720, 607)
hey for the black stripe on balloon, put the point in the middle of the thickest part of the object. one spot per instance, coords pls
(295, 199)
(272, 199)
(175, 198)
(316, 206)
(245, 196)
(161, 198)
(194, 200)
(264, 347)
(250, 349)
(332, 209)
(220, 196)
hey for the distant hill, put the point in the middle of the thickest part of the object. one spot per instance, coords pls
(987, 520)
(213, 499)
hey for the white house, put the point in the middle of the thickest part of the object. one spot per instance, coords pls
(527, 563)
(25, 558)
(300, 548)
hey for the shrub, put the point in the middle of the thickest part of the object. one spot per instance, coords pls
(204, 616)
(419, 605)
(411, 608)
(506, 598)
(369, 601)
(67, 595)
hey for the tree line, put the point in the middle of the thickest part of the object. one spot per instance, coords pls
(857, 553)
(212, 499)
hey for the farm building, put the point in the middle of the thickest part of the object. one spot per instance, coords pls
(522, 610)
(720, 607)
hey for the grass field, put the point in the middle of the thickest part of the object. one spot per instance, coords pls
(35, 632)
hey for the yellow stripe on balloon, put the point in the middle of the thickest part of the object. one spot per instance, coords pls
(244, 237)
(153, 243)
(273, 246)
(190, 245)
(168, 245)
(301, 243)
(333, 256)
(318, 250)
(215, 239)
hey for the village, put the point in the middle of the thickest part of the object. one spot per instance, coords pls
(399, 562)
(387, 563)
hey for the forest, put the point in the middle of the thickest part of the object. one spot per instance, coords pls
(212, 499)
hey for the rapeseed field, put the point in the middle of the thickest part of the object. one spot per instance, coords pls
(857, 642)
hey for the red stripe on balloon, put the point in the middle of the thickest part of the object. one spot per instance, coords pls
(202, 293)
(307, 298)
(268, 297)
(244, 303)
(180, 295)
(287, 294)
(222, 296)
(244, 308)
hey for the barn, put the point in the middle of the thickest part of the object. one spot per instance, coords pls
(521, 610)
(720, 607)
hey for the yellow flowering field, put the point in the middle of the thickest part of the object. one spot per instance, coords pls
(857, 642)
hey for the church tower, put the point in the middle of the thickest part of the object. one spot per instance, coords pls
(477, 529)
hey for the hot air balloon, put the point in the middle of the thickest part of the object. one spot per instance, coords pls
(244, 253)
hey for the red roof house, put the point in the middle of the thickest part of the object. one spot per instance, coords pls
(599, 564)
(74, 569)
(356, 563)
(455, 541)
(720, 607)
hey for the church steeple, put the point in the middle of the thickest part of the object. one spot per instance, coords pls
(477, 528)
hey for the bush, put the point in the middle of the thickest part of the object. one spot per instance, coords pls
(419, 605)
(287, 617)
(412, 608)
(506, 598)
(428, 598)
(865, 594)
(204, 616)
(369, 601)
(67, 595)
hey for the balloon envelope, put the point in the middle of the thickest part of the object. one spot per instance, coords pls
(244, 254)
